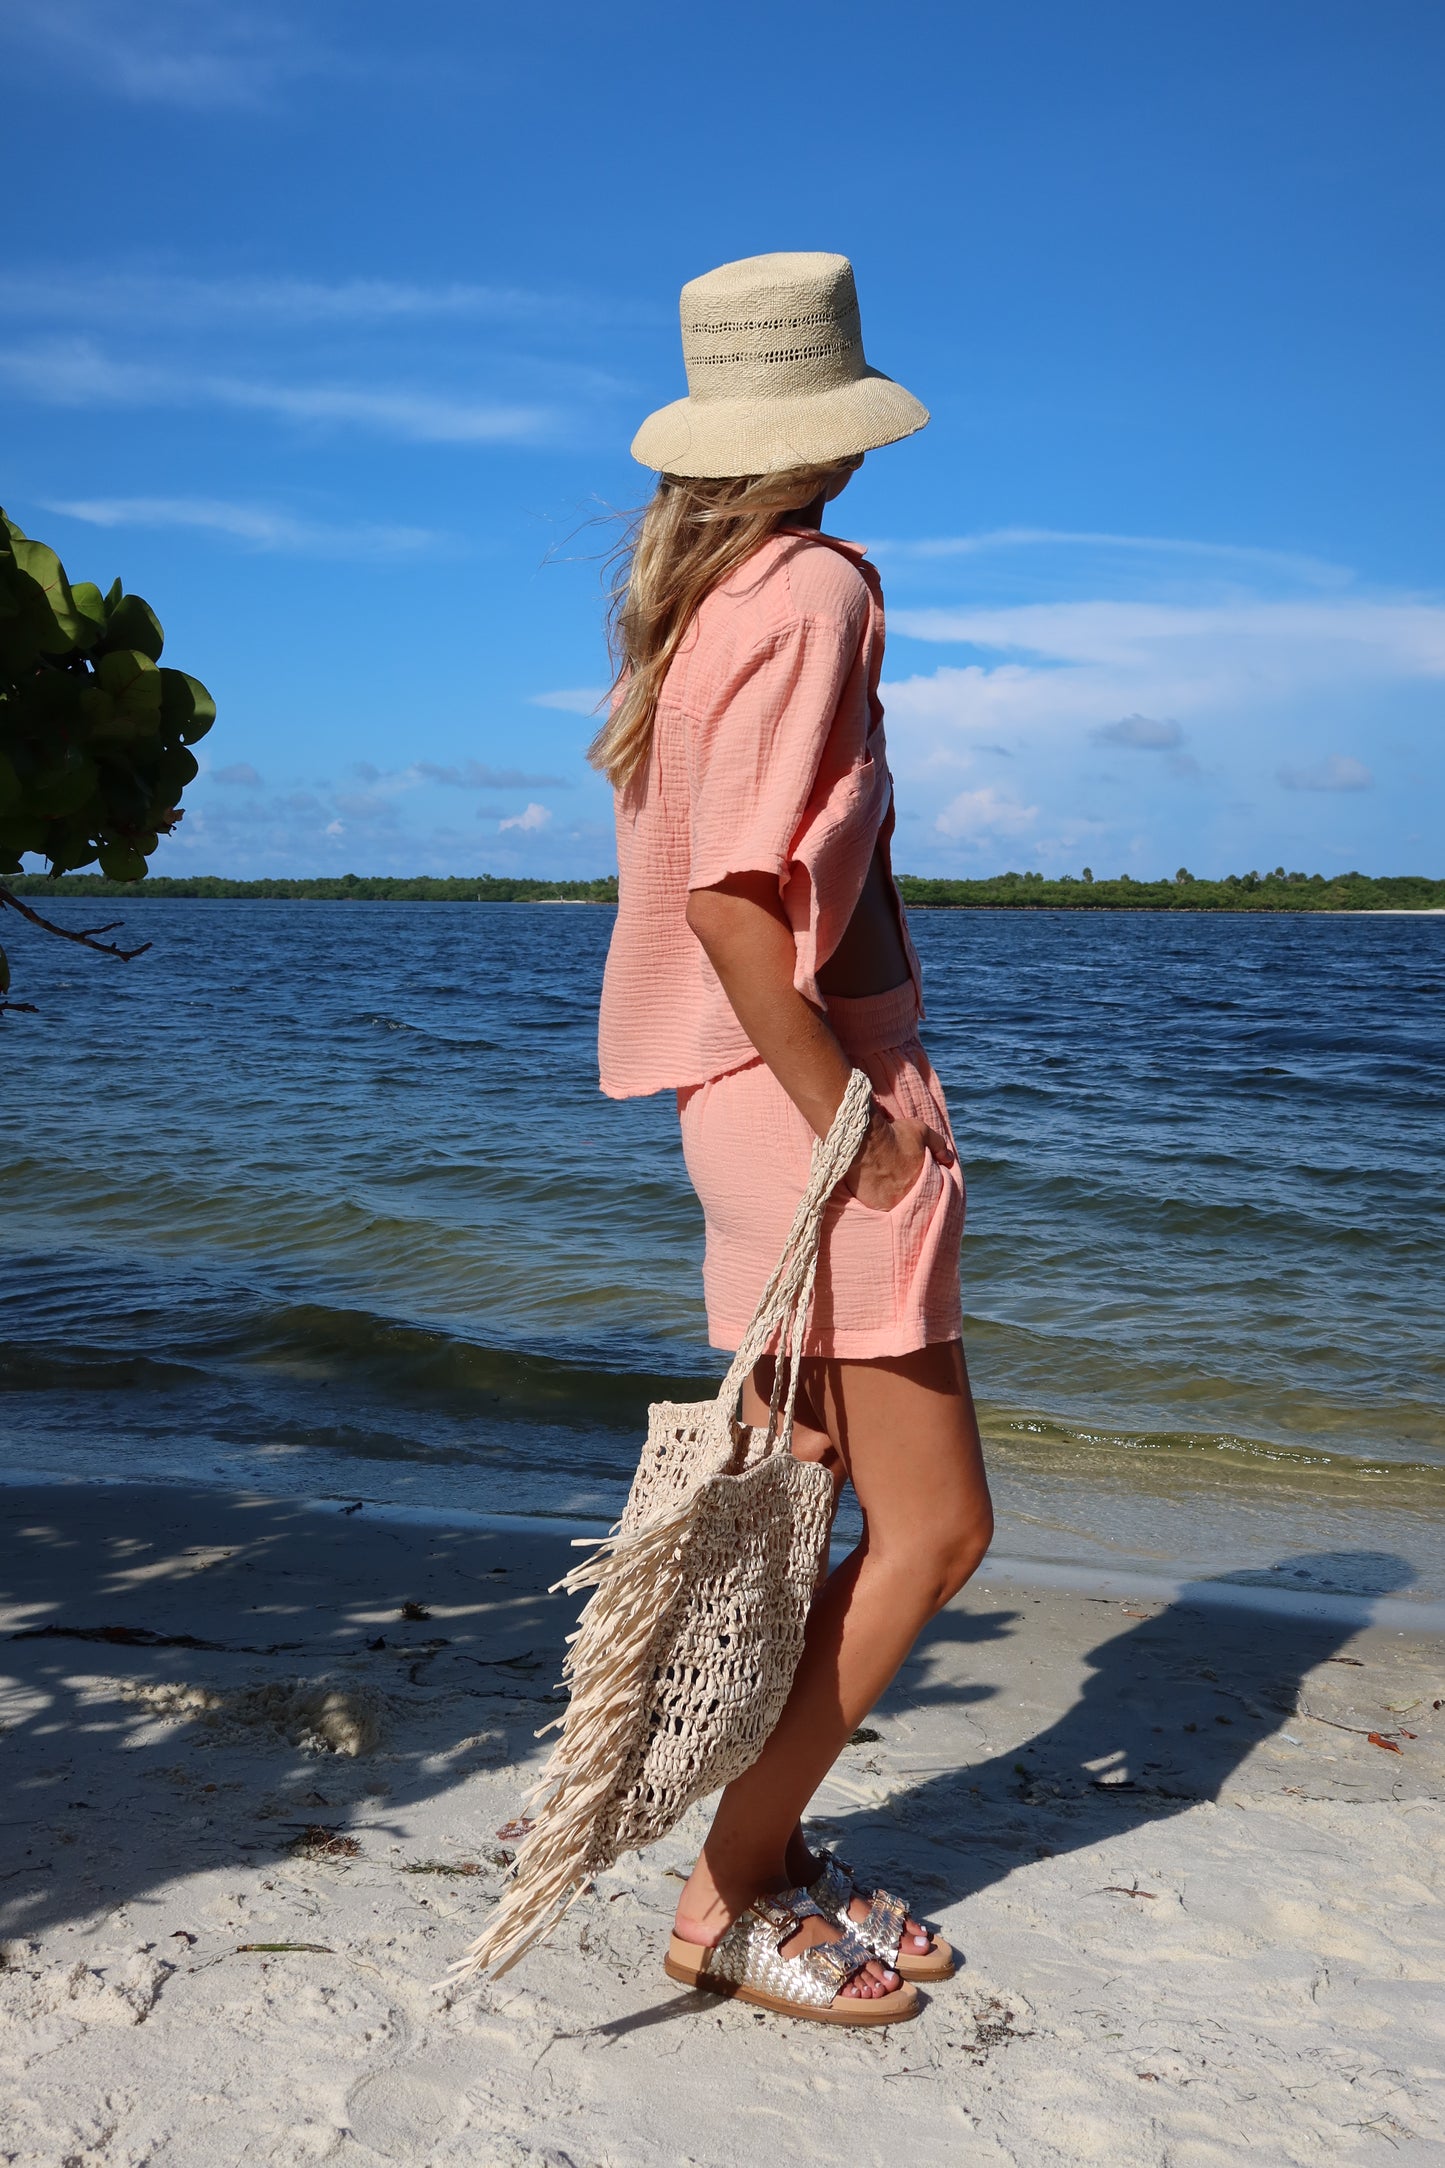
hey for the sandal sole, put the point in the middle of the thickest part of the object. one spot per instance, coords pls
(941, 1963)
(683, 1963)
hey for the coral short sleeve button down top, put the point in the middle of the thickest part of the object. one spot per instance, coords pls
(767, 756)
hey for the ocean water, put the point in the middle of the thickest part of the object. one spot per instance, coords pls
(323, 1198)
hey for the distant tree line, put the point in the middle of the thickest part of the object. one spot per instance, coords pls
(345, 888)
(1277, 891)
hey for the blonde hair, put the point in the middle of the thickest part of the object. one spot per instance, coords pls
(691, 535)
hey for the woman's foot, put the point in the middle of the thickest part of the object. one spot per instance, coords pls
(703, 1918)
(804, 1867)
(816, 1982)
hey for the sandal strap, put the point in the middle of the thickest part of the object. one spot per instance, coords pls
(833, 1964)
(750, 1952)
(835, 1888)
(883, 1928)
(785, 1912)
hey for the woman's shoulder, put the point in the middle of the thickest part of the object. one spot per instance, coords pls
(825, 579)
(793, 576)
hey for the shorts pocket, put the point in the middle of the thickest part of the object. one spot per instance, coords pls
(910, 1195)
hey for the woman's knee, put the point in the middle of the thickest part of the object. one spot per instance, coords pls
(943, 1557)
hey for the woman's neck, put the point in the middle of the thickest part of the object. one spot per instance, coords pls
(808, 515)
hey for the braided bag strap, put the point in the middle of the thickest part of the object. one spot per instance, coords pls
(783, 1306)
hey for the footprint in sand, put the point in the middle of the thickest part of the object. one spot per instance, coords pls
(397, 2111)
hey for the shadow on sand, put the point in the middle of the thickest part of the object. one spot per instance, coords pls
(1170, 1707)
(142, 1620)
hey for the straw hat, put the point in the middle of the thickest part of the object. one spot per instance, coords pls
(775, 374)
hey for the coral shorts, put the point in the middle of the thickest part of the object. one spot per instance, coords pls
(887, 1281)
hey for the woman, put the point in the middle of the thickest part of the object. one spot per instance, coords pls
(760, 953)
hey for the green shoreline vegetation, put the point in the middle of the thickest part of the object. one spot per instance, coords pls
(1277, 891)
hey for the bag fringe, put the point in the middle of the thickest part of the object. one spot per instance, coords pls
(635, 1577)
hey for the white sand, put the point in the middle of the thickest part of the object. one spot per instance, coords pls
(1235, 1953)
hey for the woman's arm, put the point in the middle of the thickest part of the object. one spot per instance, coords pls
(745, 932)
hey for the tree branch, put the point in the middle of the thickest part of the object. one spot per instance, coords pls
(86, 936)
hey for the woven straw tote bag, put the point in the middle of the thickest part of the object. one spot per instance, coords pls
(685, 1653)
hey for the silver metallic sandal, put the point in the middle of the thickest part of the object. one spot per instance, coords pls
(833, 1890)
(748, 1964)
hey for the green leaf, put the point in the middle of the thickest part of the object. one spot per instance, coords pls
(68, 845)
(45, 569)
(133, 682)
(173, 771)
(64, 789)
(118, 729)
(94, 705)
(134, 623)
(126, 800)
(187, 709)
(89, 604)
(19, 834)
(9, 785)
(118, 862)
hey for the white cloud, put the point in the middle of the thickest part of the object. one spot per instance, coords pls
(243, 824)
(1402, 637)
(1141, 731)
(420, 416)
(529, 821)
(76, 373)
(1057, 669)
(1337, 773)
(578, 700)
(73, 372)
(476, 775)
(1164, 659)
(984, 812)
(374, 807)
(264, 528)
(256, 301)
(207, 55)
(1315, 571)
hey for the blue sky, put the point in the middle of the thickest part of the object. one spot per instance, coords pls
(327, 329)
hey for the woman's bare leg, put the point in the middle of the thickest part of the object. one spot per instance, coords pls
(904, 1431)
(812, 1442)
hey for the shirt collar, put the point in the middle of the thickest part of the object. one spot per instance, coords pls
(856, 550)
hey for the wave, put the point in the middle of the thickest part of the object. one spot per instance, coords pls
(374, 1360)
(1183, 1459)
(349, 1380)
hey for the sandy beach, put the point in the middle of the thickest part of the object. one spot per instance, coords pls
(1198, 1905)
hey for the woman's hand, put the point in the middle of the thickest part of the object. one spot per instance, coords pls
(748, 940)
(888, 1163)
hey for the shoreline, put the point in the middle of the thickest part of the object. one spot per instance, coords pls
(253, 1812)
(1016, 1561)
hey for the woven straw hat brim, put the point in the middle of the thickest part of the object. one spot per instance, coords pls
(716, 438)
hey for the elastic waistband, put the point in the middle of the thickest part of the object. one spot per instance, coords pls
(866, 1023)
